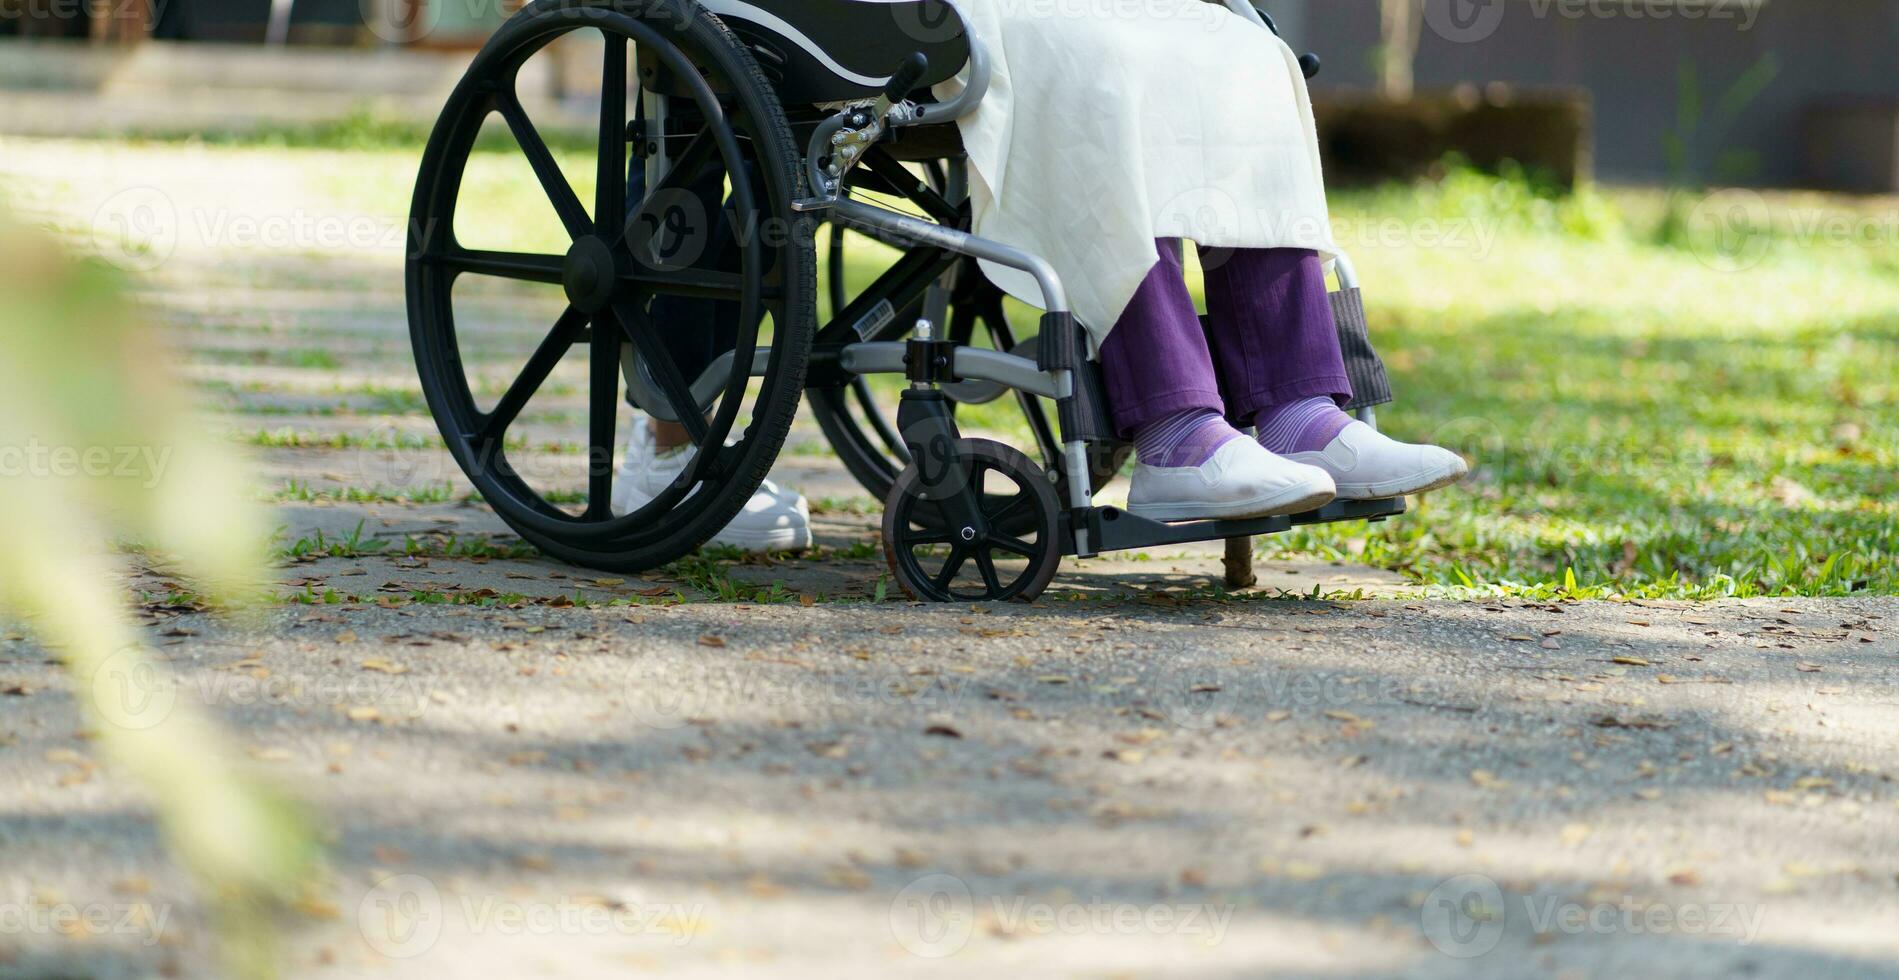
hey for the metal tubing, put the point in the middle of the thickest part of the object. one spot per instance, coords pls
(969, 364)
(964, 102)
(867, 217)
(1348, 273)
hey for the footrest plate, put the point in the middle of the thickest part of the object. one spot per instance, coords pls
(1114, 529)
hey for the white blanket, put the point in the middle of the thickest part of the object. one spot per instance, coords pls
(1110, 123)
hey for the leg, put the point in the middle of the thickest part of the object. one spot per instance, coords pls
(700, 328)
(696, 332)
(1282, 371)
(1271, 324)
(1155, 362)
(1164, 395)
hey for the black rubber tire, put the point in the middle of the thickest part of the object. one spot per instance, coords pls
(652, 536)
(1034, 507)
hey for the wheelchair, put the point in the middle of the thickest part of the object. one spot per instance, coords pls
(729, 131)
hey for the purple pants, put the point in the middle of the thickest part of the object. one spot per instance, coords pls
(1269, 321)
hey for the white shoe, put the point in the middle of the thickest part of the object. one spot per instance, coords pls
(774, 519)
(1367, 464)
(1242, 479)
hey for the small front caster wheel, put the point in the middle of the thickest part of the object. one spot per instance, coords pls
(999, 539)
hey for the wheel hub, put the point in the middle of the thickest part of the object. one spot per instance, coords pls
(589, 275)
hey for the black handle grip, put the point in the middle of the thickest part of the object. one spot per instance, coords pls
(1310, 64)
(904, 80)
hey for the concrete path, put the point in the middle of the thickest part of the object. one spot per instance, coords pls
(1127, 779)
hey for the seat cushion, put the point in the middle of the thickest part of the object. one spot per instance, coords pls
(838, 50)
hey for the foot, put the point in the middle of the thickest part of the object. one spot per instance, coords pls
(1367, 464)
(1239, 480)
(774, 519)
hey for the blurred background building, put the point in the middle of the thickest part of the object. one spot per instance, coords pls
(1768, 92)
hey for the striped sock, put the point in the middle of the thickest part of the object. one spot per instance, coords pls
(1187, 438)
(1304, 426)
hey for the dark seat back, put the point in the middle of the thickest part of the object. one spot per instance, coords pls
(838, 50)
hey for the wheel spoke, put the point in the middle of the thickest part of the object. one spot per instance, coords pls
(1021, 503)
(610, 188)
(695, 283)
(684, 170)
(553, 347)
(1016, 545)
(951, 566)
(646, 341)
(603, 408)
(987, 565)
(572, 213)
(523, 266)
(868, 402)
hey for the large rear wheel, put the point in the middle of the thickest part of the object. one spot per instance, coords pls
(621, 255)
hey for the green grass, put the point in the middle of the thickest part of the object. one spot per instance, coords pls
(1686, 419)
(356, 544)
(297, 491)
(1654, 409)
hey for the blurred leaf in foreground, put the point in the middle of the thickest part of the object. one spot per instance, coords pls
(98, 445)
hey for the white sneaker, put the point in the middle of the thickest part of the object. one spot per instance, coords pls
(1367, 464)
(1242, 479)
(774, 519)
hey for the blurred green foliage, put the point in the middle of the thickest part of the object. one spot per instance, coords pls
(100, 448)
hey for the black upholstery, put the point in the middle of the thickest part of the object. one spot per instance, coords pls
(837, 50)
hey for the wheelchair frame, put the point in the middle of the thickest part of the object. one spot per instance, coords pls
(935, 492)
